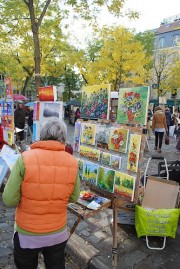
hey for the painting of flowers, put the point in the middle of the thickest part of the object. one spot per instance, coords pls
(95, 101)
(133, 105)
(124, 185)
(133, 153)
(115, 162)
(90, 153)
(106, 158)
(106, 179)
(77, 135)
(80, 168)
(90, 172)
(88, 133)
(118, 139)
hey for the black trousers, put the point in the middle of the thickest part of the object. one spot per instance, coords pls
(158, 139)
(26, 258)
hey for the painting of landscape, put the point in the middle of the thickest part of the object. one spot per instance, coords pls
(106, 179)
(115, 162)
(105, 158)
(118, 139)
(90, 172)
(88, 133)
(133, 105)
(133, 153)
(90, 153)
(124, 185)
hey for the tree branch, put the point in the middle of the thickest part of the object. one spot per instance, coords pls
(43, 13)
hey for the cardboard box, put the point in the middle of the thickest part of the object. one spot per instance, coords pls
(160, 193)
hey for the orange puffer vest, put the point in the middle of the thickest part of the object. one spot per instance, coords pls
(50, 174)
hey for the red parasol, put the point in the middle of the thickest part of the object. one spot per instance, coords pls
(17, 97)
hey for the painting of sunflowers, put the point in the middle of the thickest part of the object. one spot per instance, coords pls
(124, 185)
(118, 139)
(95, 102)
(106, 179)
(133, 105)
(133, 153)
(88, 133)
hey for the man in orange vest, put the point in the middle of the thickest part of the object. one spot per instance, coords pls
(42, 182)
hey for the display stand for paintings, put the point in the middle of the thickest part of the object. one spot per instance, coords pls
(114, 201)
(120, 203)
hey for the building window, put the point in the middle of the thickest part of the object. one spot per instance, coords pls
(161, 42)
(175, 39)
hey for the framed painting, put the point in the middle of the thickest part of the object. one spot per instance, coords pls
(106, 158)
(115, 162)
(80, 168)
(88, 133)
(124, 185)
(90, 153)
(90, 172)
(95, 101)
(106, 178)
(133, 105)
(77, 136)
(133, 152)
(102, 136)
(118, 139)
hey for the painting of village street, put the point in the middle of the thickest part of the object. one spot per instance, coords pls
(90, 172)
(124, 185)
(106, 179)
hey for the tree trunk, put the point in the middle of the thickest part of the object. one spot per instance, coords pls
(25, 85)
(35, 24)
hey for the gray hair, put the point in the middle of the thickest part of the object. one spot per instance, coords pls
(53, 129)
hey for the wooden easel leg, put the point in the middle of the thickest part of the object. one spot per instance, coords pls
(75, 225)
(114, 248)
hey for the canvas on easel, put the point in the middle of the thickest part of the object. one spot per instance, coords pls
(133, 105)
(95, 101)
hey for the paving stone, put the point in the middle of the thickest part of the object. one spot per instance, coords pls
(132, 258)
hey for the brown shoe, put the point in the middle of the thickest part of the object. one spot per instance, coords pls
(159, 150)
(155, 148)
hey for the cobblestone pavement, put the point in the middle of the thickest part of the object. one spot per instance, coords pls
(90, 245)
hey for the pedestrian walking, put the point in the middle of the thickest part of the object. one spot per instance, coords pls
(42, 182)
(159, 126)
(19, 119)
(168, 119)
(77, 114)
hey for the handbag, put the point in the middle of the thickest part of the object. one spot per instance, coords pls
(166, 139)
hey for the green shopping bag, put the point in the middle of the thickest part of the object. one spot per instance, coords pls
(158, 222)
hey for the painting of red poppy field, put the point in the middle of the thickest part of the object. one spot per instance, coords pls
(124, 185)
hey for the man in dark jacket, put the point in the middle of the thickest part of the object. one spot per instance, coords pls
(168, 119)
(19, 119)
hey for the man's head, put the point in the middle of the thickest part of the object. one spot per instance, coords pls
(53, 129)
(20, 104)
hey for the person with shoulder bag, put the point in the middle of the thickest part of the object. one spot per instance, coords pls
(159, 127)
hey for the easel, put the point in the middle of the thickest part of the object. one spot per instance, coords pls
(81, 211)
(114, 201)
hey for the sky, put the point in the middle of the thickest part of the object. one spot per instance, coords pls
(152, 13)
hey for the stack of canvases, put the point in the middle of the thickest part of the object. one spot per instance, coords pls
(47, 106)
